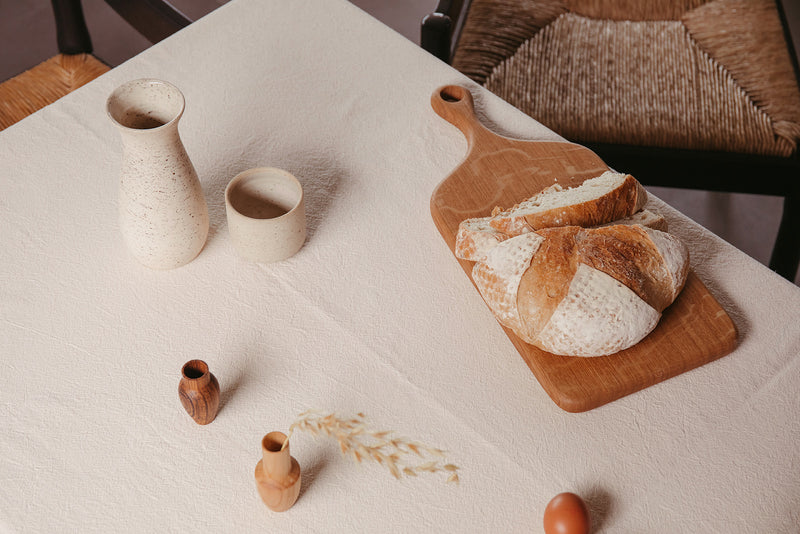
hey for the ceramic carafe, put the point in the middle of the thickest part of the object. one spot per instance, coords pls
(163, 215)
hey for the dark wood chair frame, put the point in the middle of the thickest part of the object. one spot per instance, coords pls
(154, 19)
(690, 169)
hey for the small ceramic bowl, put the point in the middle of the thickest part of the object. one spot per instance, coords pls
(266, 214)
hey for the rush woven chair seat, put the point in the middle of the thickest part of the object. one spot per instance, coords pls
(75, 66)
(45, 83)
(683, 93)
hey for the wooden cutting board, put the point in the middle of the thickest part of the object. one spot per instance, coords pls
(498, 171)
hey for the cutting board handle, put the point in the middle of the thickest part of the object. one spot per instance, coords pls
(455, 105)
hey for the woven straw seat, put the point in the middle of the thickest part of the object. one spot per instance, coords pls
(74, 66)
(681, 86)
(686, 93)
(45, 83)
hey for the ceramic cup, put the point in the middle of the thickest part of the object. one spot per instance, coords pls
(266, 214)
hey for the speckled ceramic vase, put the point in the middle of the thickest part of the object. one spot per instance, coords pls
(163, 215)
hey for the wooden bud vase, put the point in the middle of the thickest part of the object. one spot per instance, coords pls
(199, 391)
(277, 473)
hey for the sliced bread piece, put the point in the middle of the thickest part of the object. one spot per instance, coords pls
(596, 201)
(498, 277)
(475, 238)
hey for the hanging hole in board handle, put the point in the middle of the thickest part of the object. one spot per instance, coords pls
(454, 104)
(451, 93)
(454, 94)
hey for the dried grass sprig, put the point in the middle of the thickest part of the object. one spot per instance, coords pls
(356, 440)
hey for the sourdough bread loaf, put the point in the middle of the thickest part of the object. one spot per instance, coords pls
(579, 272)
(583, 291)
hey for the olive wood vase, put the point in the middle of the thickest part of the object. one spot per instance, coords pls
(199, 391)
(277, 473)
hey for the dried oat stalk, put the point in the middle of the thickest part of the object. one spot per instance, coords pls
(402, 457)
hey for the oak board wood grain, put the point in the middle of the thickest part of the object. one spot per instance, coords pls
(500, 171)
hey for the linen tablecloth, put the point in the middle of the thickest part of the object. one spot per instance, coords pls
(373, 315)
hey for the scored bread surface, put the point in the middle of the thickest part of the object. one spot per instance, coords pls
(628, 254)
(476, 237)
(598, 316)
(625, 254)
(545, 284)
(675, 256)
(499, 276)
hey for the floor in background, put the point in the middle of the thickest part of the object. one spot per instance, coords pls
(27, 36)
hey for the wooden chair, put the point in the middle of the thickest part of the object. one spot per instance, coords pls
(74, 66)
(699, 94)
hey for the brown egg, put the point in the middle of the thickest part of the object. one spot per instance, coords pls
(566, 514)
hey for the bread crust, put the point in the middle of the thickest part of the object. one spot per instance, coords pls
(546, 282)
(498, 278)
(569, 280)
(599, 316)
(475, 238)
(622, 201)
(629, 255)
(645, 218)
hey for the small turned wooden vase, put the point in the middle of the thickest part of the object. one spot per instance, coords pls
(277, 473)
(199, 391)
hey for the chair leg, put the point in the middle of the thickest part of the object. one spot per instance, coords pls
(435, 35)
(786, 254)
(71, 32)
